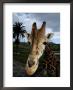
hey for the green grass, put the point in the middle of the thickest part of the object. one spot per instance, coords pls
(21, 52)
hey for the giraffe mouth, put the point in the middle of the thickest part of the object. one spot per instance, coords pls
(31, 63)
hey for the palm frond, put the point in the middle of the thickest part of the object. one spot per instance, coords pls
(18, 29)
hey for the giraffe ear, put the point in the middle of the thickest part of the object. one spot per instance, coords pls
(50, 35)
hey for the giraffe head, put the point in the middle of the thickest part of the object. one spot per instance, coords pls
(37, 39)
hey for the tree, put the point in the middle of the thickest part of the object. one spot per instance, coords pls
(18, 31)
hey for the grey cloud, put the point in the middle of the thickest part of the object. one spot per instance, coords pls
(15, 18)
(52, 19)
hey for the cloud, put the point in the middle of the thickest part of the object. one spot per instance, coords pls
(15, 18)
(56, 37)
(52, 22)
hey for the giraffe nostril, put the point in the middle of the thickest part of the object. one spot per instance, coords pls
(31, 63)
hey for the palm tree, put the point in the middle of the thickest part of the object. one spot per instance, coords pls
(18, 31)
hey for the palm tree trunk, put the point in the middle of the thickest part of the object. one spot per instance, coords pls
(17, 43)
(17, 38)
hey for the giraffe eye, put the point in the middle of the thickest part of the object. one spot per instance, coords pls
(44, 43)
(29, 43)
(28, 35)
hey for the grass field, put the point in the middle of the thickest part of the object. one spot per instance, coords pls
(20, 55)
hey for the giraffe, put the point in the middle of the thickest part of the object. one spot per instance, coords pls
(38, 41)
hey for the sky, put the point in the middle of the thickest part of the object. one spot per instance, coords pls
(52, 23)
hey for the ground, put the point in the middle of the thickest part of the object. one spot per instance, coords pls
(20, 55)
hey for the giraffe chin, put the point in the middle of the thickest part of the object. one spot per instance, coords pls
(31, 70)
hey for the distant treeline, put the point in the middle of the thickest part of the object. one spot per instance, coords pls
(54, 47)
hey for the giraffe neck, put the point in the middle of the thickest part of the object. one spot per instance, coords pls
(51, 60)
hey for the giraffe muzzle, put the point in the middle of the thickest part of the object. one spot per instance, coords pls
(31, 63)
